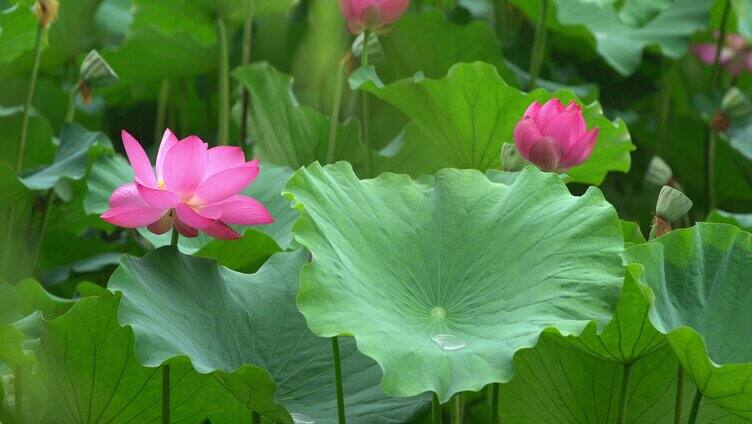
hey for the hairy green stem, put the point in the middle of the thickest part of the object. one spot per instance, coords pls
(436, 413)
(539, 46)
(342, 419)
(245, 59)
(624, 394)
(174, 238)
(679, 402)
(164, 96)
(455, 409)
(336, 106)
(223, 72)
(367, 112)
(695, 408)
(495, 389)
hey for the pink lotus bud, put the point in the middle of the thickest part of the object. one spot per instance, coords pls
(194, 189)
(554, 137)
(736, 54)
(371, 15)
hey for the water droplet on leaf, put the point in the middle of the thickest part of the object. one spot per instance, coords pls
(449, 342)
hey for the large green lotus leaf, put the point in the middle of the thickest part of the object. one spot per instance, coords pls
(441, 283)
(286, 133)
(86, 371)
(71, 159)
(109, 172)
(621, 30)
(700, 279)
(741, 220)
(246, 331)
(557, 384)
(431, 44)
(466, 117)
(18, 28)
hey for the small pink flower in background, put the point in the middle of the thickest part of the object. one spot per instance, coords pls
(736, 54)
(371, 15)
(554, 137)
(195, 188)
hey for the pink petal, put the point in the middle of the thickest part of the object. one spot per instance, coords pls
(347, 8)
(581, 150)
(526, 134)
(185, 165)
(224, 184)
(224, 157)
(532, 110)
(243, 210)
(546, 153)
(156, 198)
(391, 10)
(132, 216)
(705, 52)
(168, 141)
(183, 229)
(126, 195)
(163, 225)
(221, 231)
(188, 216)
(748, 61)
(139, 160)
(565, 128)
(548, 111)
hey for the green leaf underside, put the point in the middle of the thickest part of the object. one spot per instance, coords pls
(462, 121)
(700, 277)
(620, 36)
(236, 327)
(477, 267)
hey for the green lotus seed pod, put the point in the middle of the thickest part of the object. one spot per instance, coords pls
(511, 159)
(658, 174)
(735, 104)
(672, 204)
(96, 72)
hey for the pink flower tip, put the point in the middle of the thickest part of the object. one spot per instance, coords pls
(553, 136)
(195, 188)
(372, 15)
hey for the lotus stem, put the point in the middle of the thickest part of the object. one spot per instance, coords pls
(174, 238)
(455, 408)
(166, 392)
(495, 389)
(500, 16)
(665, 107)
(223, 72)
(367, 111)
(539, 45)
(30, 97)
(42, 229)
(679, 403)
(70, 112)
(246, 96)
(18, 395)
(695, 408)
(624, 394)
(436, 412)
(164, 95)
(339, 86)
(255, 417)
(338, 381)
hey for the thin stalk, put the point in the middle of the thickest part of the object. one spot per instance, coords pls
(174, 238)
(664, 107)
(336, 107)
(338, 381)
(695, 408)
(679, 402)
(42, 229)
(223, 73)
(367, 112)
(29, 98)
(166, 394)
(710, 139)
(624, 394)
(455, 408)
(495, 418)
(18, 387)
(500, 17)
(255, 417)
(436, 412)
(164, 96)
(539, 46)
(245, 59)
(70, 112)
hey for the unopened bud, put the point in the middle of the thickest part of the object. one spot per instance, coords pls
(735, 104)
(375, 54)
(46, 11)
(659, 173)
(511, 159)
(96, 72)
(672, 204)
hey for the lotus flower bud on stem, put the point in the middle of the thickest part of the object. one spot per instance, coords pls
(94, 72)
(659, 174)
(511, 160)
(671, 206)
(46, 11)
(372, 15)
(554, 137)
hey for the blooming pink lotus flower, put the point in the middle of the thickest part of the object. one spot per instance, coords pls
(736, 54)
(554, 137)
(195, 188)
(371, 15)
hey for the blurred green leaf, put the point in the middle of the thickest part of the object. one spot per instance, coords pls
(18, 28)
